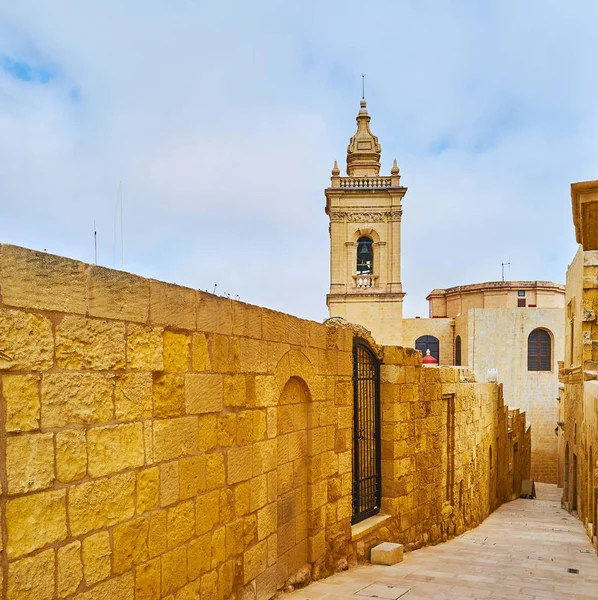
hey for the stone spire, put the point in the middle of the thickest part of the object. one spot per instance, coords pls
(363, 152)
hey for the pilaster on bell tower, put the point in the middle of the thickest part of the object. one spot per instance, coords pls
(365, 239)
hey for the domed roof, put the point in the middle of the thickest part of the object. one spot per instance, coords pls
(428, 359)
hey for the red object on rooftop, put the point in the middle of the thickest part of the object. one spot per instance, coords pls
(428, 359)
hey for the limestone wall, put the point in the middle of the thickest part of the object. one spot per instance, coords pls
(439, 433)
(498, 339)
(579, 375)
(162, 443)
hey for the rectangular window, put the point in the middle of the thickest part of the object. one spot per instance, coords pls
(521, 293)
(521, 302)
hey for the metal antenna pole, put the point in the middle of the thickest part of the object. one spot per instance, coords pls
(363, 87)
(122, 231)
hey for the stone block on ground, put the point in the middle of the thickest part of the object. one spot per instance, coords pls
(387, 553)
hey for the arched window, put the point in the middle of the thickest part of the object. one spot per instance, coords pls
(428, 342)
(539, 354)
(365, 256)
(457, 351)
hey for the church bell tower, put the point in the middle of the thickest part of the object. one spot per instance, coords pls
(365, 239)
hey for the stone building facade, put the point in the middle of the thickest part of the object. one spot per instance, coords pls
(490, 326)
(365, 213)
(579, 373)
(482, 326)
(158, 442)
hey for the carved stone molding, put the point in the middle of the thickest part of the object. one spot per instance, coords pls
(367, 217)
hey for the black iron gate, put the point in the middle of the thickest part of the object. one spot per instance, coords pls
(366, 433)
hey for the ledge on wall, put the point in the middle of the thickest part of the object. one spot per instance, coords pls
(366, 526)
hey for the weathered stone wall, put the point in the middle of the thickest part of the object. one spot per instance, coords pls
(159, 443)
(439, 434)
(579, 375)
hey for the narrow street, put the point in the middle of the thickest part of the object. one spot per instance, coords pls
(523, 551)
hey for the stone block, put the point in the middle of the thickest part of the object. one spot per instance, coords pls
(97, 557)
(83, 343)
(32, 578)
(275, 326)
(267, 521)
(133, 396)
(235, 391)
(177, 352)
(145, 348)
(192, 473)
(201, 360)
(226, 506)
(114, 294)
(29, 462)
(259, 492)
(34, 521)
(21, 395)
(147, 580)
(118, 587)
(147, 489)
(71, 455)
(242, 498)
(207, 512)
(199, 556)
(239, 464)
(70, 569)
(249, 529)
(169, 483)
(174, 438)
(158, 536)
(169, 395)
(27, 341)
(214, 314)
(76, 399)
(255, 561)
(181, 523)
(215, 473)
(114, 448)
(207, 432)
(253, 356)
(264, 456)
(172, 305)
(218, 546)
(225, 579)
(42, 281)
(101, 503)
(316, 546)
(266, 390)
(190, 591)
(204, 393)
(209, 586)
(174, 570)
(386, 553)
(234, 538)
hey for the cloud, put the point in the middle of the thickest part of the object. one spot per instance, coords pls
(222, 121)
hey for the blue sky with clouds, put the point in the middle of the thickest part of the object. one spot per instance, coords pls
(223, 120)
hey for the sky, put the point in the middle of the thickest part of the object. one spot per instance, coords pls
(219, 122)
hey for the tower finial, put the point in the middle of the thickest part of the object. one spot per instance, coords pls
(395, 168)
(363, 86)
(363, 153)
(335, 170)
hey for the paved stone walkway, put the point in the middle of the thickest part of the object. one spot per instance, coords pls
(523, 551)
